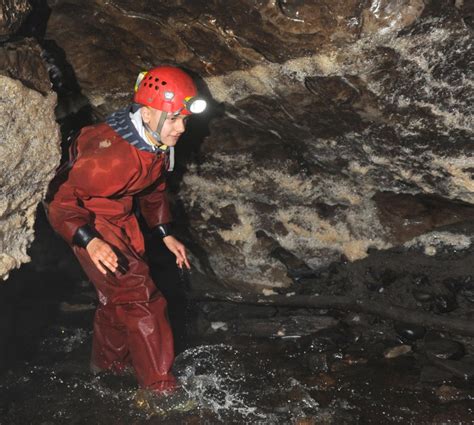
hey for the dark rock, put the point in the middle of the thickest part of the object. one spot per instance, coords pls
(460, 369)
(463, 285)
(12, 15)
(444, 349)
(468, 295)
(434, 375)
(332, 338)
(317, 362)
(421, 280)
(444, 303)
(410, 332)
(293, 326)
(22, 60)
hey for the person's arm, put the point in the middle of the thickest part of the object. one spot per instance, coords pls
(89, 176)
(155, 209)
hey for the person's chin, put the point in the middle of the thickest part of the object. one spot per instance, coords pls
(171, 141)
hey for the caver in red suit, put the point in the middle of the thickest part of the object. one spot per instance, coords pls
(111, 165)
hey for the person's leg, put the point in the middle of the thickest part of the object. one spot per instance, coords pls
(151, 342)
(109, 343)
(140, 308)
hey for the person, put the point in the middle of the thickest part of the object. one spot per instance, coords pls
(113, 167)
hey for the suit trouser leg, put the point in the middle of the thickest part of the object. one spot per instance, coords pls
(109, 342)
(132, 319)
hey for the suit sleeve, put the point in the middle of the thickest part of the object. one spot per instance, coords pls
(154, 204)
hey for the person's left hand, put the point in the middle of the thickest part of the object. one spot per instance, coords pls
(178, 249)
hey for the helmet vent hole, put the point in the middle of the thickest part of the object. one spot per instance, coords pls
(163, 83)
(156, 88)
(156, 80)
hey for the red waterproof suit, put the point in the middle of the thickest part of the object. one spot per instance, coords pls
(97, 188)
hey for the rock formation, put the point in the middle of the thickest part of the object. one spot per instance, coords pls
(29, 146)
(337, 126)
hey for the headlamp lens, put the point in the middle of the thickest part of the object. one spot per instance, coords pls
(196, 106)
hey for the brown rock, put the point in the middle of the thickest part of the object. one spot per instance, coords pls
(12, 15)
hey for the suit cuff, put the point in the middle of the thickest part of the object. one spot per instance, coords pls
(84, 235)
(162, 230)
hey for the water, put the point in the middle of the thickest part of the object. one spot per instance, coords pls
(242, 381)
(230, 374)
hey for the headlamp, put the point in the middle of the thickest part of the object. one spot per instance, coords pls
(195, 105)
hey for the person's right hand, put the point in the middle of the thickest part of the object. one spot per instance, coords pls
(102, 255)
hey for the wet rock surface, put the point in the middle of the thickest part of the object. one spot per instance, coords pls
(29, 147)
(336, 160)
(12, 14)
(339, 373)
(336, 127)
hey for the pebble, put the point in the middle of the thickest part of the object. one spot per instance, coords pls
(444, 348)
(219, 326)
(445, 303)
(321, 381)
(399, 350)
(410, 332)
(318, 362)
(421, 280)
(468, 295)
(422, 296)
(447, 394)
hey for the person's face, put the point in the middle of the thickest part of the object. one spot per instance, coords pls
(173, 127)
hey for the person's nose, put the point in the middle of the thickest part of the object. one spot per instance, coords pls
(180, 126)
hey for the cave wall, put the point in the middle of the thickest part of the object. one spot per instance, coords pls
(336, 127)
(29, 136)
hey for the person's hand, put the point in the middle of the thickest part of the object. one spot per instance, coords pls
(102, 255)
(178, 249)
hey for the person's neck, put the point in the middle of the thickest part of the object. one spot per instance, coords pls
(151, 139)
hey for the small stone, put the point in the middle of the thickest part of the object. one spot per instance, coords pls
(410, 332)
(421, 280)
(468, 295)
(268, 292)
(447, 394)
(444, 348)
(318, 362)
(430, 250)
(444, 303)
(422, 296)
(219, 326)
(400, 350)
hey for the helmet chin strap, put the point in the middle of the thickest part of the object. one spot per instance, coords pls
(156, 135)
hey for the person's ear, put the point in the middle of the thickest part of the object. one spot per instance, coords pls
(146, 115)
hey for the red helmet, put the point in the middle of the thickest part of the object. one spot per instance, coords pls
(168, 89)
